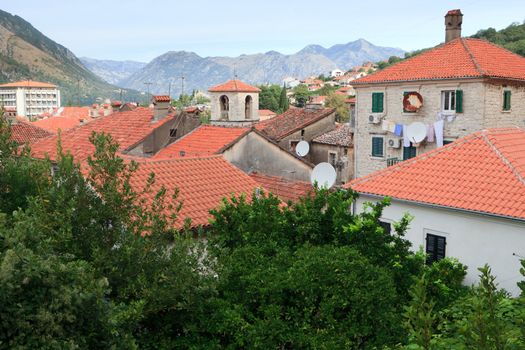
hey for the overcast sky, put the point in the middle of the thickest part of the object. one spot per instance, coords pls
(141, 30)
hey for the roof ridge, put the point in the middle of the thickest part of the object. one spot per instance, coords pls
(471, 55)
(504, 159)
(175, 159)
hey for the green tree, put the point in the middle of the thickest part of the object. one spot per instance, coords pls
(342, 110)
(283, 101)
(301, 95)
(269, 98)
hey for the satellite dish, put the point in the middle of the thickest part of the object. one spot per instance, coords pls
(324, 174)
(302, 148)
(416, 132)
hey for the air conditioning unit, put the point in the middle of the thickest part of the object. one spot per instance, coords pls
(374, 119)
(394, 143)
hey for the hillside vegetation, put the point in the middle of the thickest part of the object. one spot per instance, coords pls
(27, 54)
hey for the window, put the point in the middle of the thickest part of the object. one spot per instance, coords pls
(302, 133)
(409, 152)
(446, 142)
(387, 227)
(435, 248)
(173, 132)
(248, 107)
(293, 144)
(332, 158)
(448, 101)
(506, 100)
(377, 102)
(377, 146)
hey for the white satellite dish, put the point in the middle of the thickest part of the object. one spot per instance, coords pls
(416, 132)
(324, 174)
(302, 148)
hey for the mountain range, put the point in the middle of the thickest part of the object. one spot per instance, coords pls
(27, 54)
(165, 72)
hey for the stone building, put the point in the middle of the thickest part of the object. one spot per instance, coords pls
(460, 87)
(31, 98)
(335, 147)
(234, 103)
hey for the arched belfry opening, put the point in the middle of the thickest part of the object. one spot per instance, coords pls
(248, 107)
(225, 106)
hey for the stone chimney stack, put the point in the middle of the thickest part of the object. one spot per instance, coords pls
(161, 107)
(453, 20)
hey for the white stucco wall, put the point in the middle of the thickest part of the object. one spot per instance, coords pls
(472, 238)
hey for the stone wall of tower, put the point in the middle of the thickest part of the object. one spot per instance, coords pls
(237, 104)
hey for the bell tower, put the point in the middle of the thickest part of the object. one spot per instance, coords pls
(234, 103)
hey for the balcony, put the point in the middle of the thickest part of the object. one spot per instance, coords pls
(393, 161)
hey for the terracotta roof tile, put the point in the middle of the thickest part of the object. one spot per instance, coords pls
(234, 86)
(28, 83)
(162, 98)
(66, 118)
(25, 132)
(127, 128)
(203, 141)
(283, 188)
(341, 136)
(482, 172)
(459, 58)
(291, 121)
(202, 182)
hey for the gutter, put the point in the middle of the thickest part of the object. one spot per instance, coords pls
(437, 206)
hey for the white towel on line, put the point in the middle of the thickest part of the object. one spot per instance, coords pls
(438, 130)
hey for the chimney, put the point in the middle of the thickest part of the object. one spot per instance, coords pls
(93, 112)
(107, 109)
(161, 107)
(115, 105)
(453, 20)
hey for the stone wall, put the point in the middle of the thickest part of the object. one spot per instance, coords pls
(482, 104)
(236, 108)
(255, 153)
(319, 152)
(310, 132)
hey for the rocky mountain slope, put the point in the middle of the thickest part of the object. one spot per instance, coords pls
(27, 54)
(270, 67)
(112, 71)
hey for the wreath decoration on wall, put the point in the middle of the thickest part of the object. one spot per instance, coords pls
(412, 101)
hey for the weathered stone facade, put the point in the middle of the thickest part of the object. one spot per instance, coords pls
(308, 133)
(343, 157)
(243, 108)
(482, 108)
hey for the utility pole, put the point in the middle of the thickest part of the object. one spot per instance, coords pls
(148, 84)
(169, 89)
(182, 93)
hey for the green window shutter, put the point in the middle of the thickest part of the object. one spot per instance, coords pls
(377, 102)
(380, 102)
(506, 100)
(377, 146)
(459, 101)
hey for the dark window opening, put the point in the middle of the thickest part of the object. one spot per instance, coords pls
(173, 132)
(332, 158)
(435, 248)
(387, 227)
(377, 146)
(409, 152)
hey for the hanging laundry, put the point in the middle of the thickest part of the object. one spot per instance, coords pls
(438, 129)
(430, 133)
(384, 125)
(392, 127)
(398, 130)
(406, 141)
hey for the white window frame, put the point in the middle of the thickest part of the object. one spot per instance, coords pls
(446, 96)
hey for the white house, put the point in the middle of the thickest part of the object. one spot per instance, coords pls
(30, 98)
(336, 73)
(467, 199)
(453, 90)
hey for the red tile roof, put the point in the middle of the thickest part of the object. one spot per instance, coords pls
(162, 98)
(67, 118)
(127, 128)
(203, 141)
(202, 182)
(266, 112)
(234, 86)
(482, 172)
(458, 59)
(28, 84)
(291, 121)
(341, 136)
(25, 132)
(319, 100)
(283, 188)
